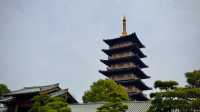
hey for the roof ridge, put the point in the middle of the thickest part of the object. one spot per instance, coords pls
(31, 87)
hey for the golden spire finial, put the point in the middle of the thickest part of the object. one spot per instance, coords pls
(124, 33)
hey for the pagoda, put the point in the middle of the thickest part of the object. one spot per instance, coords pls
(124, 63)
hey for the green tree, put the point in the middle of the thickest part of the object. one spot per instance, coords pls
(3, 89)
(103, 90)
(193, 78)
(108, 92)
(186, 99)
(165, 85)
(49, 104)
(113, 105)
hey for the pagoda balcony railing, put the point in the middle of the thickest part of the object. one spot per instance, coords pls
(117, 56)
(121, 45)
(124, 77)
(135, 90)
(121, 67)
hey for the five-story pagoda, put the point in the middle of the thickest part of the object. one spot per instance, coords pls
(125, 64)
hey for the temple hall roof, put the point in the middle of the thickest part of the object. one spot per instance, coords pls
(52, 90)
(33, 89)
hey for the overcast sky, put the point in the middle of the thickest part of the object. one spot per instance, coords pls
(60, 41)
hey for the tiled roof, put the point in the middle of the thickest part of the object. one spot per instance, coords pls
(133, 48)
(52, 90)
(23, 91)
(135, 70)
(135, 59)
(59, 93)
(5, 99)
(34, 89)
(131, 37)
(137, 83)
(133, 106)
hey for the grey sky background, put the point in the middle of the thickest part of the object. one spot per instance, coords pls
(60, 41)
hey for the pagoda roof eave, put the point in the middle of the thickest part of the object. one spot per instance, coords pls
(132, 48)
(137, 96)
(131, 37)
(134, 59)
(138, 83)
(135, 70)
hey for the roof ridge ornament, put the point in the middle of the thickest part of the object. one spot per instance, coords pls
(124, 33)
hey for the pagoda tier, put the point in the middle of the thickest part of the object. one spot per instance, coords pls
(134, 70)
(137, 96)
(134, 59)
(128, 38)
(128, 48)
(136, 83)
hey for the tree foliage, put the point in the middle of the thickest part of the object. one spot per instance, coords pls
(3, 89)
(105, 90)
(165, 85)
(186, 99)
(193, 78)
(113, 107)
(108, 92)
(49, 104)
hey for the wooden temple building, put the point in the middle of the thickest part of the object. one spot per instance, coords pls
(124, 63)
(22, 100)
